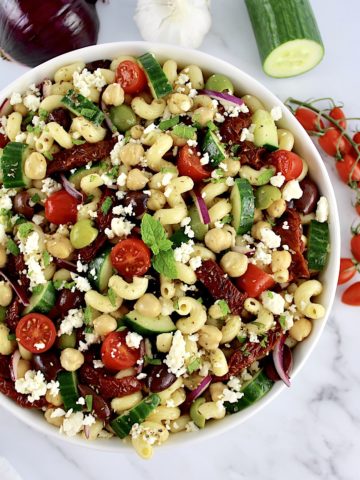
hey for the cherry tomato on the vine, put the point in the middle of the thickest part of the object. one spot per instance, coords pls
(351, 296)
(309, 119)
(355, 246)
(357, 208)
(347, 270)
(348, 169)
(337, 114)
(333, 143)
(356, 137)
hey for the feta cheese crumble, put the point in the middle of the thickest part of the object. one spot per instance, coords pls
(133, 340)
(277, 180)
(292, 191)
(273, 302)
(276, 113)
(270, 239)
(85, 80)
(322, 210)
(74, 319)
(33, 385)
(175, 359)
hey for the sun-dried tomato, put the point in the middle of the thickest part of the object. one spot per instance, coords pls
(251, 155)
(219, 285)
(87, 254)
(103, 218)
(7, 388)
(230, 129)
(12, 315)
(298, 267)
(5, 366)
(79, 155)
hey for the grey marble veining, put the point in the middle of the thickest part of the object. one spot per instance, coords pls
(312, 430)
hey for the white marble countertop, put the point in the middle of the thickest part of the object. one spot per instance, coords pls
(312, 431)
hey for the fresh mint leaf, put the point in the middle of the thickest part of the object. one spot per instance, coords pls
(152, 361)
(164, 263)
(25, 229)
(36, 198)
(194, 365)
(154, 235)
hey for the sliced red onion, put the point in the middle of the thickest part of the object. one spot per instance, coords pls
(194, 394)
(15, 357)
(278, 357)
(140, 363)
(20, 292)
(46, 87)
(71, 190)
(87, 431)
(108, 121)
(223, 96)
(201, 206)
(5, 108)
(65, 264)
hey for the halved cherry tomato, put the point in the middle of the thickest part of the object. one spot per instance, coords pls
(115, 354)
(309, 119)
(61, 208)
(337, 114)
(347, 270)
(355, 246)
(131, 77)
(333, 143)
(287, 163)
(36, 332)
(348, 169)
(131, 257)
(351, 296)
(188, 164)
(356, 137)
(254, 281)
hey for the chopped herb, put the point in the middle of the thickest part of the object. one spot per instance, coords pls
(246, 352)
(58, 284)
(227, 219)
(264, 341)
(211, 126)
(35, 198)
(20, 220)
(25, 229)
(11, 336)
(194, 365)
(46, 258)
(89, 330)
(241, 339)
(234, 148)
(152, 361)
(166, 124)
(48, 155)
(78, 141)
(121, 328)
(270, 220)
(224, 307)
(2, 314)
(176, 304)
(106, 205)
(184, 131)
(169, 170)
(88, 315)
(12, 247)
(270, 294)
(282, 321)
(28, 119)
(43, 114)
(89, 402)
(200, 300)
(112, 297)
(113, 173)
(89, 199)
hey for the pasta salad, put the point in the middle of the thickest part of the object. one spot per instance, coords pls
(160, 245)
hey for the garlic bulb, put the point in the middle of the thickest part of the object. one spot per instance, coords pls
(181, 22)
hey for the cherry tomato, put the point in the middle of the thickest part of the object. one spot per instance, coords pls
(188, 164)
(287, 163)
(131, 77)
(356, 137)
(357, 208)
(254, 281)
(61, 208)
(131, 257)
(309, 119)
(347, 270)
(115, 354)
(3, 140)
(351, 296)
(333, 143)
(337, 114)
(348, 169)
(36, 332)
(355, 246)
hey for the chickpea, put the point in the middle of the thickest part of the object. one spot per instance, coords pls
(35, 166)
(218, 239)
(6, 346)
(277, 208)
(104, 324)
(234, 264)
(2, 256)
(163, 342)
(217, 391)
(49, 271)
(71, 359)
(209, 337)
(113, 95)
(131, 154)
(282, 276)
(257, 227)
(157, 200)
(20, 108)
(148, 305)
(56, 421)
(136, 179)
(5, 294)
(179, 103)
(258, 215)
(215, 312)
(233, 167)
(301, 329)
(55, 400)
(59, 246)
(25, 354)
(136, 132)
(22, 367)
(203, 115)
(62, 275)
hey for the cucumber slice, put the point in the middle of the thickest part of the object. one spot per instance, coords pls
(82, 172)
(243, 206)
(42, 300)
(199, 228)
(123, 423)
(253, 390)
(68, 389)
(67, 341)
(158, 82)
(149, 325)
(80, 105)
(287, 36)
(12, 164)
(265, 132)
(100, 270)
(214, 148)
(318, 245)
(195, 415)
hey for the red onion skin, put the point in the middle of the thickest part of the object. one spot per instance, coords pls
(32, 33)
(225, 97)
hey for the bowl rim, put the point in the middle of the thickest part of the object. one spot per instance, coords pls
(212, 64)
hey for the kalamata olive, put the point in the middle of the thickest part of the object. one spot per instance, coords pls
(307, 203)
(100, 407)
(138, 200)
(159, 378)
(48, 363)
(21, 205)
(61, 116)
(67, 300)
(92, 66)
(270, 368)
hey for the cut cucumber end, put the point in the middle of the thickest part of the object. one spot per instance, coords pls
(293, 58)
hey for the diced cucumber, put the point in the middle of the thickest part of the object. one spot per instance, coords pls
(265, 132)
(214, 148)
(68, 389)
(42, 300)
(82, 172)
(123, 424)
(195, 415)
(158, 82)
(67, 341)
(253, 390)
(149, 325)
(287, 36)
(12, 164)
(199, 228)
(243, 206)
(100, 270)
(257, 177)
(80, 105)
(318, 245)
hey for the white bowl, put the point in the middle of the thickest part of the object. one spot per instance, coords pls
(244, 84)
